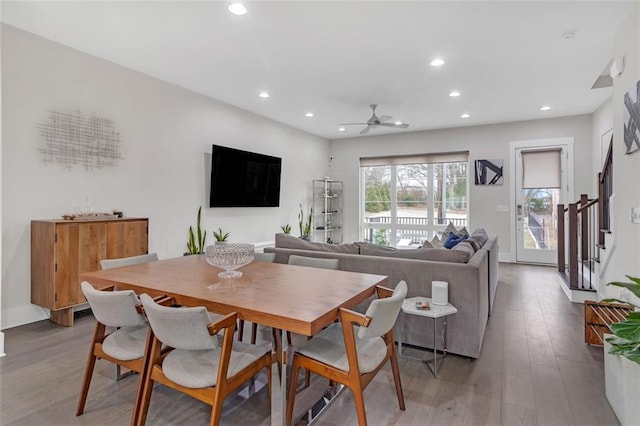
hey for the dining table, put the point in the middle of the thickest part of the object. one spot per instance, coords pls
(297, 299)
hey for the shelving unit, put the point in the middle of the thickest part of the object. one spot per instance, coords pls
(327, 211)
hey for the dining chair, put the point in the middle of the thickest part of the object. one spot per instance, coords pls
(257, 257)
(353, 358)
(125, 345)
(126, 261)
(198, 366)
(313, 262)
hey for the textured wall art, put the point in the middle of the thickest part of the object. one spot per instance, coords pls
(72, 139)
(632, 119)
(489, 172)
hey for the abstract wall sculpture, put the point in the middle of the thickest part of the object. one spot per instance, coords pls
(73, 140)
(632, 119)
(489, 172)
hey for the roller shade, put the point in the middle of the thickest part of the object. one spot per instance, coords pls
(439, 157)
(541, 168)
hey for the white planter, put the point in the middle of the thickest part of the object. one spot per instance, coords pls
(622, 386)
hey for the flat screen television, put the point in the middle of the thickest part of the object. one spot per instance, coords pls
(244, 179)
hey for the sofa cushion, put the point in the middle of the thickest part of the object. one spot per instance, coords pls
(464, 247)
(481, 236)
(453, 240)
(291, 242)
(434, 254)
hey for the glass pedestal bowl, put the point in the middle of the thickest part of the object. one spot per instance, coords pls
(229, 256)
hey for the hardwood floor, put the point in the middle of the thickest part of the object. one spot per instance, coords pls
(534, 369)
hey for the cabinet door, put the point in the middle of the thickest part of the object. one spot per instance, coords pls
(79, 248)
(126, 239)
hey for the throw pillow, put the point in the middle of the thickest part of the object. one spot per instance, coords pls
(435, 242)
(453, 240)
(464, 247)
(463, 231)
(427, 244)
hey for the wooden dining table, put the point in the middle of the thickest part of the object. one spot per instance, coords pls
(291, 298)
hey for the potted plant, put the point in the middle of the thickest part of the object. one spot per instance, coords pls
(622, 373)
(286, 228)
(221, 236)
(305, 225)
(193, 246)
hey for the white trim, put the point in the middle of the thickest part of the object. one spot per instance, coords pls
(534, 143)
(21, 315)
(2, 345)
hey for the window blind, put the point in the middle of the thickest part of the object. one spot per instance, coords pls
(541, 168)
(439, 157)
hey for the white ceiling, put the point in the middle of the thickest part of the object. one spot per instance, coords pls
(507, 58)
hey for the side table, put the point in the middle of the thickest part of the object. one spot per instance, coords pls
(435, 312)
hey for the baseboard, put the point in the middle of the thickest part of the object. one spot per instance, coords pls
(2, 345)
(20, 315)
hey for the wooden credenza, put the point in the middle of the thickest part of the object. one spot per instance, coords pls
(62, 249)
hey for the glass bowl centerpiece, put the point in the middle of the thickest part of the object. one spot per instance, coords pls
(229, 256)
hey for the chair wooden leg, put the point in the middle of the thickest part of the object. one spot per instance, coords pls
(358, 399)
(154, 357)
(240, 330)
(98, 335)
(293, 384)
(86, 381)
(269, 378)
(216, 412)
(396, 379)
(254, 333)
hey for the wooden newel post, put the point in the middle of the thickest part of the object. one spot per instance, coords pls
(573, 245)
(560, 238)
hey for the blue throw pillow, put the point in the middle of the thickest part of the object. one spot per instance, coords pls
(453, 240)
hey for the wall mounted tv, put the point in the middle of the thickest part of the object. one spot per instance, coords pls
(244, 179)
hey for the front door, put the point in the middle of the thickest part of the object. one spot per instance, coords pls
(541, 182)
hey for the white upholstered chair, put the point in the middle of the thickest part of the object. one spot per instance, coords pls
(198, 366)
(313, 262)
(125, 345)
(126, 261)
(350, 357)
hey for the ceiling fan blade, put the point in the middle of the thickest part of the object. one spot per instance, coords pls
(354, 124)
(365, 130)
(401, 126)
(384, 118)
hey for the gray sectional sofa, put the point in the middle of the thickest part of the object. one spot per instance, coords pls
(471, 271)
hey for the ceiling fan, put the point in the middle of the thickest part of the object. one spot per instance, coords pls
(377, 121)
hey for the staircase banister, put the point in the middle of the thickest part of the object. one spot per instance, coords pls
(589, 204)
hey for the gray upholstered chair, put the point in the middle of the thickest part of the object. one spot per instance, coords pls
(353, 358)
(126, 261)
(197, 365)
(313, 262)
(264, 257)
(257, 257)
(125, 345)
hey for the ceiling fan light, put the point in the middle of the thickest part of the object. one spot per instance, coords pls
(437, 62)
(264, 95)
(309, 114)
(465, 115)
(342, 129)
(454, 94)
(237, 9)
(545, 108)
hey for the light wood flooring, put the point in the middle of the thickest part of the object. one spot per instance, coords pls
(534, 369)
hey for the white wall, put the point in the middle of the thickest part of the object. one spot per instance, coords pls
(489, 141)
(622, 256)
(165, 132)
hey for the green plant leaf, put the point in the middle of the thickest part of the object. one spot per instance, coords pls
(629, 330)
(614, 301)
(633, 356)
(633, 287)
(634, 279)
(634, 316)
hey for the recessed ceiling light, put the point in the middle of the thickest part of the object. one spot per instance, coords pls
(398, 123)
(309, 114)
(437, 62)
(454, 94)
(465, 115)
(342, 129)
(545, 108)
(264, 95)
(237, 9)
